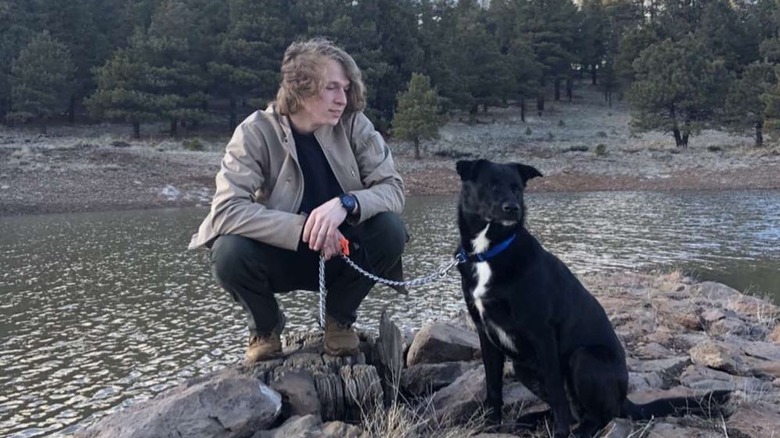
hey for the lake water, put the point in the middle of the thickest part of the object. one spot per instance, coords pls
(103, 310)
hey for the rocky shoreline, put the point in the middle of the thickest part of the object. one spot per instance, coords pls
(682, 338)
(583, 145)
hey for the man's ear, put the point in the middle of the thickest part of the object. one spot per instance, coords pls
(527, 172)
(467, 169)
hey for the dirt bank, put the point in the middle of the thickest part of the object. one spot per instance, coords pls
(93, 168)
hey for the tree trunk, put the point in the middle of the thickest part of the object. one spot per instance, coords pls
(174, 128)
(540, 103)
(522, 109)
(685, 140)
(569, 88)
(136, 130)
(72, 110)
(417, 148)
(557, 89)
(233, 113)
(759, 134)
(593, 75)
(678, 141)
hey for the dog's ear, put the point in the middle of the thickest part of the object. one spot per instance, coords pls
(467, 169)
(527, 172)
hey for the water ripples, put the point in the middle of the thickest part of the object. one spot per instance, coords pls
(101, 311)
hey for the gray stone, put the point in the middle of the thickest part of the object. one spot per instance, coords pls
(310, 426)
(223, 405)
(618, 428)
(298, 391)
(438, 342)
(712, 291)
(754, 420)
(699, 377)
(458, 401)
(671, 365)
(717, 355)
(423, 379)
(667, 429)
(644, 381)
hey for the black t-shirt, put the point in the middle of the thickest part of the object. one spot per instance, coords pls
(319, 182)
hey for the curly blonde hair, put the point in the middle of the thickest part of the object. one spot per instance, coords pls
(302, 75)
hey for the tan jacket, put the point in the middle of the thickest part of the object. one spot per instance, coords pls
(259, 187)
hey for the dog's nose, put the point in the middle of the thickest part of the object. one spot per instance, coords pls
(510, 207)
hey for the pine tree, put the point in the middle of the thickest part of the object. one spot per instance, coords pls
(417, 115)
(674, 91)
(123, 92)
(15, 32)
(250, 53)
(747, 99)
(41, 79)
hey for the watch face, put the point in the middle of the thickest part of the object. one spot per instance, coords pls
(348, 202)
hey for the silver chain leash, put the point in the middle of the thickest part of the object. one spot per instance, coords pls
(438, 275)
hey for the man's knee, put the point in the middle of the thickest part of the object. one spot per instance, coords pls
(229, 257)
(390, 232)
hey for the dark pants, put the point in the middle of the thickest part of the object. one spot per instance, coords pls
(252, 272)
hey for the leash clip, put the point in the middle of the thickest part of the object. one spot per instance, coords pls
(444, 269)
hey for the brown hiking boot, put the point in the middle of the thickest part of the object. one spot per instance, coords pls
(268, 346)
(263, 348)
(340, 339)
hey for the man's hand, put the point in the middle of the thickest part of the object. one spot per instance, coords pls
(321, 230)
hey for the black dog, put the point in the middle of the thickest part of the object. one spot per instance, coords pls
(528, 306)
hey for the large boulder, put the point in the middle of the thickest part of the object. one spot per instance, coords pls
(441, 342)
(223, 405)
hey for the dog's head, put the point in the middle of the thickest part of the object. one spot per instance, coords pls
(493, 192)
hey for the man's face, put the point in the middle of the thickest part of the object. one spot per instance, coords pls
(327, 107)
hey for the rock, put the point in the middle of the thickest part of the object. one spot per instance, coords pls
(306, 426)
(438, 342)
(390, 346)
(299, 394)
(762, 358)
(713, 291)
(310, 426)
(716, 355)
(756, 419)
(170, 193)
(667, 429)
(672, 365)
(712, 315)
(774, 336)
(728, 326)
(618, 428)
(457, 402)
(699, 377)
(644, 381)
(226, 404)
(423, 379)
(460, 401)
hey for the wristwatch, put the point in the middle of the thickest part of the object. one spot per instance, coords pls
(349, 202)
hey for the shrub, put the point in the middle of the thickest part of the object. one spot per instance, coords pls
(192, 144)
(528, 131)
(601, 150)
(601, 134)
(578, 148)
(714, 148)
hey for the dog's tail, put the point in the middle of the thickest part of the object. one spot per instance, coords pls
(708, 405)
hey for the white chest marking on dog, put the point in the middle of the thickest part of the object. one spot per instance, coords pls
(481, 270)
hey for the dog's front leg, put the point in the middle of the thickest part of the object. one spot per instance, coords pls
(493, 359)
(547, 349)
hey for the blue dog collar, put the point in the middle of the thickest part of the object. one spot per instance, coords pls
(463, 257)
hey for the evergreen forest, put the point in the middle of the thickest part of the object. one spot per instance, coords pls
(684, 65)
